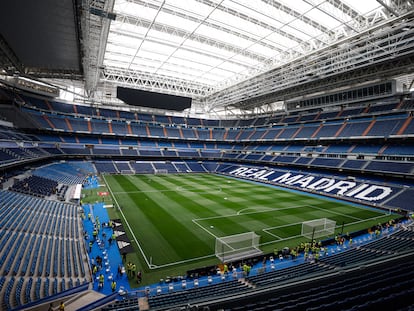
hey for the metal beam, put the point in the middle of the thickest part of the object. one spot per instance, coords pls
(145, 81)
(146, 34)
(211, 24)
(253, 21)
(386, 70)
(292, 73)
(124, 18)
(336, 5)
(11, 62)
(388, 8)
(386, 41)
(288, 10)
(95, 31)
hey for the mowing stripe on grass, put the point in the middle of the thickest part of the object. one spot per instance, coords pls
(196, 199)
(168, 215)
(178, 217)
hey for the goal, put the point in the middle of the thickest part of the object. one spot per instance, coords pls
(313, 229)
(161, 171)
(127, 172)
(238, 246)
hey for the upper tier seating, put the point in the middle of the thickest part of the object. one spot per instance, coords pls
(389, 123)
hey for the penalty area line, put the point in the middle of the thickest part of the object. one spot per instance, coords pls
(269, 209)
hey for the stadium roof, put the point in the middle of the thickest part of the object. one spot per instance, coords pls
(217, 43)
(225, 53)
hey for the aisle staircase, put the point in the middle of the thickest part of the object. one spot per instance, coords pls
(42, 249)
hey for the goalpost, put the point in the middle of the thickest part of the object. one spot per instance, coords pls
(313, 229)
(238, 246)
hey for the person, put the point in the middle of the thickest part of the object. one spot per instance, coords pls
(139, 276)
(101, 281)
(316, 257)
(119, 274)
(234, 271)
(249, 267)
(133, 270)
(50, 307)
(94, 269)
(99, 261)
(129, 267)
(94, 234)
(293, 254)
(245, 269)
(113, 285)
(226, 269)
(61, 306)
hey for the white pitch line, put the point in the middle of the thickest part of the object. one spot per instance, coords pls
(257, 212)
(271, 209)
(129, 227)
(282, 226)
(212, 234)
(195, 221)
(181, 262)
(178, 189)
(274, 235)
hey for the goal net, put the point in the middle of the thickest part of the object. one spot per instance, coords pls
(238, 246)
(127, 172)
(160, 171)
(317, 228)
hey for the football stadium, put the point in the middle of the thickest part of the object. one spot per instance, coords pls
(227, 155)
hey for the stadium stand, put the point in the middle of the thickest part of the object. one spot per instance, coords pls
(35, 185)
(360, 145)
(334, 281)
(68, 173)
(32, 237)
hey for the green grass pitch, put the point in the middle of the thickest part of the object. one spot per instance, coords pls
(175, 219)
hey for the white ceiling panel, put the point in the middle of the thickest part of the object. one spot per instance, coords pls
(213, 41)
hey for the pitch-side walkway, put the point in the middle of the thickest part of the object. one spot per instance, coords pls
(109, 252)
